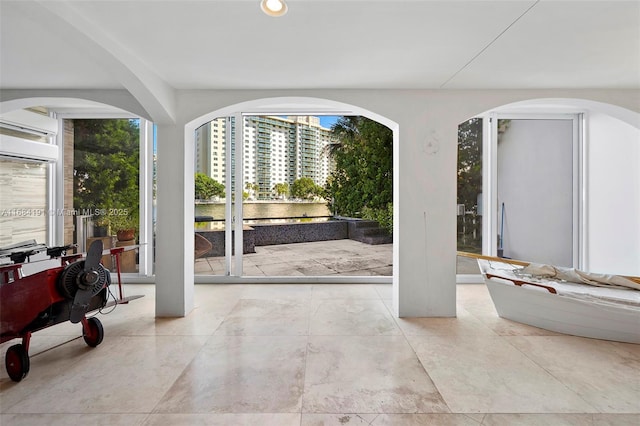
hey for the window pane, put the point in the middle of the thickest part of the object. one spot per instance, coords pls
(209, 194)
(23, 197)
(106, 195)
(469, 212)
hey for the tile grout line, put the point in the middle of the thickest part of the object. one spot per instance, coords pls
(306, 356)
(170, 386)
(418, 358)
(507, 340)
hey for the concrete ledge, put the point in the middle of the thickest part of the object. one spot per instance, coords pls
(288, 233)
(217, 240)
(368, 232)
(280, 233)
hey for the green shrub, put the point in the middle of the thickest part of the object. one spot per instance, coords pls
(383, 216)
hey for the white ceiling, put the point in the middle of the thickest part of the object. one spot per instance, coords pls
(318, 44)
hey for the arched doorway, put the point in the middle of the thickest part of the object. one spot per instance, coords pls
(605, 191)
(66, 221)
(274, 107)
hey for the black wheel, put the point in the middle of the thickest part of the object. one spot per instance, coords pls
(95, 333)
(17, 362)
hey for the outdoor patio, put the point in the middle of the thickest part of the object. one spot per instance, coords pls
(335, 257)
(321, 258)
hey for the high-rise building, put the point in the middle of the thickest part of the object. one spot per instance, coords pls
(275, 150)
(210, 149)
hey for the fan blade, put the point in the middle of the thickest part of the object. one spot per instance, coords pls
(85, 281)
(80, 304)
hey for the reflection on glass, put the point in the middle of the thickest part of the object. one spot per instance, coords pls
(286, 165)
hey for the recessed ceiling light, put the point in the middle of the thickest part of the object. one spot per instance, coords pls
(273, 7)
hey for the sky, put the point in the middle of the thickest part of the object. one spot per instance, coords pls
(328, 120)
(325, 120)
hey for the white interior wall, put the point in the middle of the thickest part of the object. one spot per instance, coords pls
(613, 196)
(535, 184)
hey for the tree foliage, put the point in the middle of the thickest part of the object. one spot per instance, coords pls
(206, 187)
(384, 217)
(251, 188)
(363, 175)
(470, 184)
(281, 189)
(469, 162)
(305, 188)
(106, 167)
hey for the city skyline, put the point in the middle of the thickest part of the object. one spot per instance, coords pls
(276, 149)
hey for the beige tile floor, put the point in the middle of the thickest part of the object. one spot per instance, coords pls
(320, 355)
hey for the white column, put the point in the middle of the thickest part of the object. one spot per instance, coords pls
(424, 241)
(175, 234)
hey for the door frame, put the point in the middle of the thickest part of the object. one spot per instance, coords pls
(490, 179)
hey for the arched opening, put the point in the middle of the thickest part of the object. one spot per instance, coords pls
(272, 111)
(601, 199)
(81, 184)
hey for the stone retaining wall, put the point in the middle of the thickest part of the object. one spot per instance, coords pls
(273, 234)
(217, 240)
(289, 233)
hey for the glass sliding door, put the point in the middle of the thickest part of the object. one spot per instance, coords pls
(112, 196)
(536, 188)
(518, 188)
(271, 217)
(211, 195)
(289, 228)
(469, 189)
(286, 165)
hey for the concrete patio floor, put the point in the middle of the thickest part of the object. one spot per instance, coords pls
(319, 258)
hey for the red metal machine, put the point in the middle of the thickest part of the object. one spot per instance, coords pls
(63, 293)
